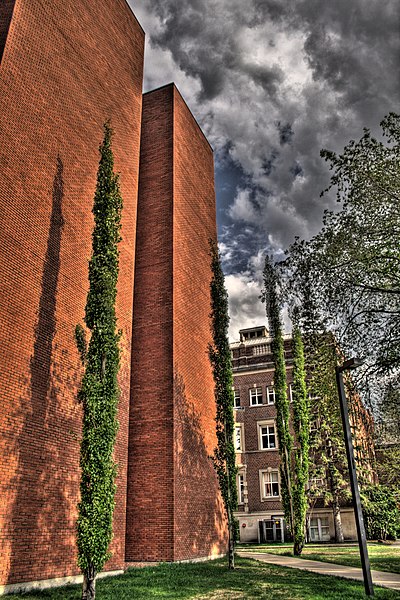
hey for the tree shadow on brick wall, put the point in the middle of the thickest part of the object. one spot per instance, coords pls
(39, 508)
(200, 525)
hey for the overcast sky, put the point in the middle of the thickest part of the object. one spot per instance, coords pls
(271, 82)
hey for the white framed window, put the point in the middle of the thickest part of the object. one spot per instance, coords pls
(269, 483)
(314, 424)
(240, 488)
(316, 483)
(238, 439)
(255, 396)
(319, 529)
(236, 398)
(266, 435)
(270, 395)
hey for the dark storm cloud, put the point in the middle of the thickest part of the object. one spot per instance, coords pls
(268, 78)
(285, 132)
(271, 83)
(203, 44)
(354, 48)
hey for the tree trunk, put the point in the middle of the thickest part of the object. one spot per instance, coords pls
(298, 547)
(231, 533)
(231, 548)
(337, 520)
(89, 584)
(308, 536)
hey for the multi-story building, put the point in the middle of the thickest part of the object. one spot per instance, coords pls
(260, 512)
(67, 66)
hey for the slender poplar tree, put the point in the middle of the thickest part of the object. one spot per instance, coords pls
(301, 428)
(285, 439)
(327, 454)
(99, 391)
(220, 358)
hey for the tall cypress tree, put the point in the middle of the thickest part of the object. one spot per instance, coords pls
(327, 454)
(285, 439)
(99, 390)
(301, 428)
(220, 358)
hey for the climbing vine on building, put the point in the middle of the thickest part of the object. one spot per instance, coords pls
(99, 391)
(220, 358)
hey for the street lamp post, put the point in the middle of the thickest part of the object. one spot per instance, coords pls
(353, 363)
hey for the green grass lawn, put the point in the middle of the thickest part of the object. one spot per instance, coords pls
(213, 581)
(382, 557)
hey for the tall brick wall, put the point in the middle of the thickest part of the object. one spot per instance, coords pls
(149, 534)
(66, 68)
(173, 507)
(199, 521)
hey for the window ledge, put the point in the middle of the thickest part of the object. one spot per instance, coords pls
(270, 498)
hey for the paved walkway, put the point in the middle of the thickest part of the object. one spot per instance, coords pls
(389, 580)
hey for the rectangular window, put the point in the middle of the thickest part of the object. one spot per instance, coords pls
(269, 484)
(319, 529)
(270, 395)
(316, 483)
(290, 393)
(236, 398)
(267, 436)
(255, 396)
(238, 438)
(240, 488)
(313, 399)
(314, 424)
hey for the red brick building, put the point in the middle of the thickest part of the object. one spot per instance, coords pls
(170, 475)
(65, 68)
(260, 510)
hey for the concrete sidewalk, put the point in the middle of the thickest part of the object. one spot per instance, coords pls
(389, 580)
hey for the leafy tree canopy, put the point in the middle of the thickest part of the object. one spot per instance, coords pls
(381, 513)
(351, 267)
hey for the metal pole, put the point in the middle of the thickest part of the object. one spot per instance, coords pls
(362, 539)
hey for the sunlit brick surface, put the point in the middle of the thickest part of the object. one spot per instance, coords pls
(67, 66)
(176, 513)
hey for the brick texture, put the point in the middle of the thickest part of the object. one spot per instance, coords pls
(149, 534)
(174, 509)
(66, 68)
(253, 458)
(199, 523)
(253, 369)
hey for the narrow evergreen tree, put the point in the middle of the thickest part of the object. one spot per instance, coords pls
(220, 358)
(285, 439)
(301, 428)
(327, 454)
(99, 390)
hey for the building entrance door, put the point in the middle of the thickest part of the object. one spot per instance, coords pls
(271, 531)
